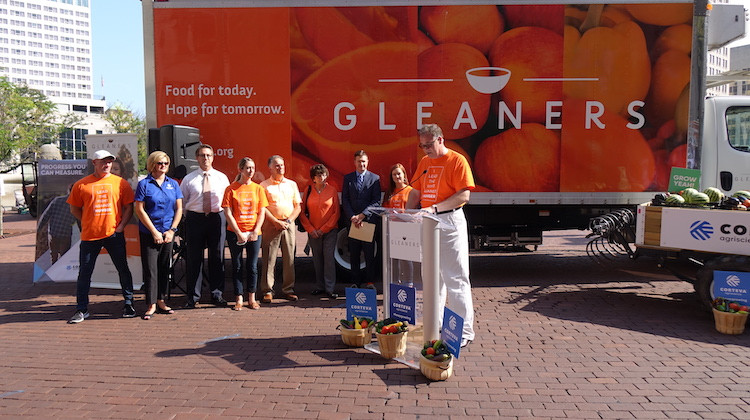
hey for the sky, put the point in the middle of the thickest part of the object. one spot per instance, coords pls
(118, 51)
(117, 38)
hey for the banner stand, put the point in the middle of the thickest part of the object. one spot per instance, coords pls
(410, 257)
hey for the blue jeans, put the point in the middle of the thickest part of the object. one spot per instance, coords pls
(115, 246)
(238, 263)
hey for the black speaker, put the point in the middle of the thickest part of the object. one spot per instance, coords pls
(153, 140)
(180, 143)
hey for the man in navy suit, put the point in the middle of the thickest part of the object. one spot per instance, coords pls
(361, 190)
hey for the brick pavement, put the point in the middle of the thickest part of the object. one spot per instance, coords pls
(557, 337)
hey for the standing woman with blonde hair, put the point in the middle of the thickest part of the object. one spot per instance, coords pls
(158, 206)
(243, 204)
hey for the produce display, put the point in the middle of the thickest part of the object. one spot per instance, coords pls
(436, 350)
(391, 326)
(724, 305)
(357, 323)
(711, 197)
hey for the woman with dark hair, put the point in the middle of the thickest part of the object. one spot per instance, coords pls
(398, 188)
(158, 206)
(244, 203)
(320, 218)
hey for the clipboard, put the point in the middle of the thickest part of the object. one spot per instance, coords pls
(364, 233)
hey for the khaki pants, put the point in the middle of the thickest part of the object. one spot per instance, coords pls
(271, 240)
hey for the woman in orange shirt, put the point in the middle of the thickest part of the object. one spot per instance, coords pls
(243, 204)
(398, 188)
(320, 218)
(395, 197)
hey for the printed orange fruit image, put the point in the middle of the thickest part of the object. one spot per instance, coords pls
(670, 75)
(475, 25)
(610, 157)
(450, 61)
(525, 159)
(551, 17)
(352, 102)
(328, 32)
(661, 14)
(530, 52)
(617, 61)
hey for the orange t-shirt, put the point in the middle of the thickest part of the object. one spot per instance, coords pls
(323, 208)
(101, 200)
(246, 201)
(445, 176)
(398, 200)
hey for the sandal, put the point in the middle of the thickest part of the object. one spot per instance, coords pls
(147, 316)
(237, 306)
(165, 311)
(254, 305)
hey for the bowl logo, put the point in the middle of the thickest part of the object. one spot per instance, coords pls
(701, 230)
(733, 280)
(360, 298)
(452, 323)
(401, 295)
(488, 79)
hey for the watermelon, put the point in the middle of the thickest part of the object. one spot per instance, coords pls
(699, 198)
(742, 194)
(674, 200)
(687, 192)
(714, 194)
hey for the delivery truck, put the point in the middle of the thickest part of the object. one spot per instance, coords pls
(565, 110)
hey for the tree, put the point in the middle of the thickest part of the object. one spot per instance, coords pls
(26, 117)
(123, 120)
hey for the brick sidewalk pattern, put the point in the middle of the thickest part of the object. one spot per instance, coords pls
(578, 340)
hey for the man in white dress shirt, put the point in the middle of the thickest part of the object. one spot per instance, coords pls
(205, 226)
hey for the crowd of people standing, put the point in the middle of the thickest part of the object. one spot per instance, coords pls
(211, 211)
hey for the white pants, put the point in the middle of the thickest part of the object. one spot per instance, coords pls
(454, 270)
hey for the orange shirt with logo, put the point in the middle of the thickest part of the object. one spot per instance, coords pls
(445, 176)
(398, 200)
(101, 200)
(246, 202)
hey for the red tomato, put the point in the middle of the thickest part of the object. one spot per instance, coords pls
(363, 324)
(744, 308)
(734, 306)
(430, 350)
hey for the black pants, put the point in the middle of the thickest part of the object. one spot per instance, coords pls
(155, 260)
(371, 266)
(201, 232)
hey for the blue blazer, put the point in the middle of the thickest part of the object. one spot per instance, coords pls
(355, 202)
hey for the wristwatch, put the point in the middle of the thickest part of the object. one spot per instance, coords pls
(174, 229)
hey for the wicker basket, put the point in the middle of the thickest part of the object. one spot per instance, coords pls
(729, 323)
(436, 371)
(392, 345)
(356, 338)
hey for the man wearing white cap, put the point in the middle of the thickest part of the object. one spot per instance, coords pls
(103, 202)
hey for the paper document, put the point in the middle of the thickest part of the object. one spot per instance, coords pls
(365, 233)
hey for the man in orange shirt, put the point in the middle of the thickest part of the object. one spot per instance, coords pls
(443, 190)
(103, 202)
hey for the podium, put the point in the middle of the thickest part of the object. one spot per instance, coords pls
(410, 244)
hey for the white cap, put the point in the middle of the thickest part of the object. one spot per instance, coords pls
(102, 154)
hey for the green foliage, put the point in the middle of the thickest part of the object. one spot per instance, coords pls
(123, 120)
(26, 118)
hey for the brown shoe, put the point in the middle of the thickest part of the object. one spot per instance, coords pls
(291, 296)
(267, 298)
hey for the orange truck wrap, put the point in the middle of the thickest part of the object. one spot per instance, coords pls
(553, 103)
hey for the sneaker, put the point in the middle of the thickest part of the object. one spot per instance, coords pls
(77, 317)
(219, 301)
(332, 295)
(290, 297)
(128, 311)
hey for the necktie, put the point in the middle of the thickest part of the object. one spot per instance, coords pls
(206, 194)
(360, 181)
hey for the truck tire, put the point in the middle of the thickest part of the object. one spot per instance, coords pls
(341, 253)
(704, 283)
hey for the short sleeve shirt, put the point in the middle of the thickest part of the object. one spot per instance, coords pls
(398, 200)
(246, 202)
(101, 200)
(445, 176)
(282, 197)
(158, 201)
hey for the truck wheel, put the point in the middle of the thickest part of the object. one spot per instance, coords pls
(341, 253)
(704, 283)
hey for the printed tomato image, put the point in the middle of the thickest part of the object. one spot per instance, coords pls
(349, 104)
(600, 153)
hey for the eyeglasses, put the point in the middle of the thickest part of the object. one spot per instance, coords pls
(162, 163)
(427, 145)
(205, 155)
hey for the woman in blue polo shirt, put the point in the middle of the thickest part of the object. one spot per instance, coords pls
(158, 206)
